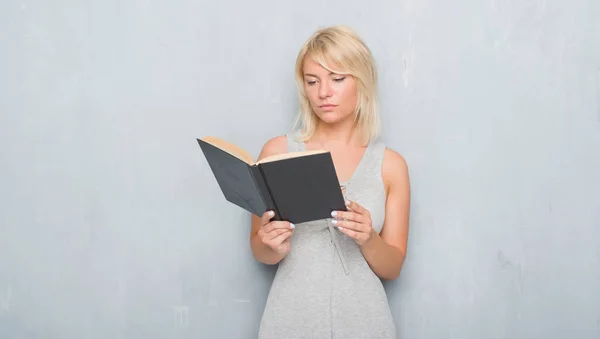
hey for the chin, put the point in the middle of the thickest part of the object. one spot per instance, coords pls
(331, 117)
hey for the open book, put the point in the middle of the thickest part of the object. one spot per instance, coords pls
(297, 186)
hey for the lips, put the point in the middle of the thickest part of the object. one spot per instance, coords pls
(328, 106)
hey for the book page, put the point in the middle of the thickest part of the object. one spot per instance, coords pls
(230, 148)
(289, 155)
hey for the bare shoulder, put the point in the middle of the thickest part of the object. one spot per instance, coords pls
(274, 146)
(394, 169)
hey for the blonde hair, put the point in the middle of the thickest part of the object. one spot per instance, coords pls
(351, 56)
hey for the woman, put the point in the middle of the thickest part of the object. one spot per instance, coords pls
(328, 283)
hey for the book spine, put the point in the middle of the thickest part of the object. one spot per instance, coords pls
(265, 192)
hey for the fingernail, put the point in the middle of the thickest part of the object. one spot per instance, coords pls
(333, 214)
(271, 213)
(347, 202)
(292, 225)
(334, 221)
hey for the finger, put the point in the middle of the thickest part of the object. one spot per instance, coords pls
(274, 233)
(354, 206)
(285, 244)
(280, 238)
(266, 217)
(351, 225)
(283, 247)
(278, 224)
(351, 233)
(353, 216)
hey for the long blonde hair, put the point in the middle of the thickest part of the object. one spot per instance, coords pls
(350, 55)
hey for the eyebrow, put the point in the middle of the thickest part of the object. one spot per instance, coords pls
(312, 75)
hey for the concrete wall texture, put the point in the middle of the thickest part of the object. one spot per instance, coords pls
(112, 225)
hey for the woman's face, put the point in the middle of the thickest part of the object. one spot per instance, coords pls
(333, 97)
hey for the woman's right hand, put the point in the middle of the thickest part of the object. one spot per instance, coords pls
(275, 234)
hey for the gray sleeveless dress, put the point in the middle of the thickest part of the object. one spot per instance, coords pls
(324, 287)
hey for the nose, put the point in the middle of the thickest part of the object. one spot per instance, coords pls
(324, 90)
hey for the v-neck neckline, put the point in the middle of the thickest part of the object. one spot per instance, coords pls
(356, 169)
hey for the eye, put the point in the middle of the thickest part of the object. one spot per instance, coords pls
(310, 82)
(339, 79)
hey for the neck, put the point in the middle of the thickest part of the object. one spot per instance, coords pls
(336, 135)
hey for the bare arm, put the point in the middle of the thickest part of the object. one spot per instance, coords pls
(279, 232)
(384, 252)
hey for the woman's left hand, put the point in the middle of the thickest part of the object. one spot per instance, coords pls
(355, 223)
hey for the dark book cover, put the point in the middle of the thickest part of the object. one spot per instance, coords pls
(235, 179)
(305, 188)
(297, 189)
(264, 192)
